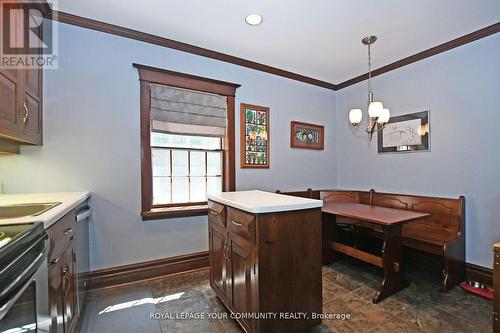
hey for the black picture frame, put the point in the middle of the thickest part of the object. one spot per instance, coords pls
(423, 131)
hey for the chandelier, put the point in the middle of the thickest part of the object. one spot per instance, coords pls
(378, 116)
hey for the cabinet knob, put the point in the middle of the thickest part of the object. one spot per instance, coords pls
(26, 113)
(68, 231)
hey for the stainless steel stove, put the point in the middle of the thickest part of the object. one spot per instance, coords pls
(24, 304)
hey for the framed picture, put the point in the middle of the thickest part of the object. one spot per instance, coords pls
(406, 133)
(309, 136)
(254, 137)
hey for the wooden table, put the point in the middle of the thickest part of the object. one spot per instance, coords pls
(390, 220)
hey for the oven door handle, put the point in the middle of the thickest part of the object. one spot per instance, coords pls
(5, 308)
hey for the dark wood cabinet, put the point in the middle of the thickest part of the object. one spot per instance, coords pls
(218, 266)
(69, 289)
(242, 261)
(62, 275)
(266, 263)
(55, 296)
(21, 107)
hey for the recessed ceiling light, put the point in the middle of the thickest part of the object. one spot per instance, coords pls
(253, 19)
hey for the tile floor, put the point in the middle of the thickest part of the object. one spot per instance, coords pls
(348, 286)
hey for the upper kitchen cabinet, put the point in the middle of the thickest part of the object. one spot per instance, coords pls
(21, 92)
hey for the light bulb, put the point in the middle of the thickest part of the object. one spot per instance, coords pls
(375, 109)
(253, 19)
(384, 116)
(355, 116)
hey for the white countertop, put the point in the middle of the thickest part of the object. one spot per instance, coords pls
(69, 200)
(263, 202)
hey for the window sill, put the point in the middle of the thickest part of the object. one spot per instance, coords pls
(171, 212)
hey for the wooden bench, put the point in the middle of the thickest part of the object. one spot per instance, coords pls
(441, 235)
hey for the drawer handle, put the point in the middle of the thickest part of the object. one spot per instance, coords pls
(68, 231)
(236, 223)
(54, 261)
(213, 212)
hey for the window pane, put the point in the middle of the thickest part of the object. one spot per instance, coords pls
(180, 189)
(214, 163)
(185, 141)
(198, 190)
(214, 184)
(197, 163)
(161, 190)
(179, 163)
(161, 162)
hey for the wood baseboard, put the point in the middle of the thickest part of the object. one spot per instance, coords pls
(127, 274)
(479, 274)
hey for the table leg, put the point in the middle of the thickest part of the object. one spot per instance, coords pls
(391, 261)
(329, 233)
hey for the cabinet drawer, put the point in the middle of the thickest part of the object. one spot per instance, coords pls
(241, 223)
(61, 233)
(217, 213)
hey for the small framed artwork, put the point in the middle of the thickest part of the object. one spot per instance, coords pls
(406, 133)
(254, 137)
(309, 136)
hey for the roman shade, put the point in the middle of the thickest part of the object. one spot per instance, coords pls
(182, 111)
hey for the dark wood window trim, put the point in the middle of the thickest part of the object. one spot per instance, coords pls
(148, 75)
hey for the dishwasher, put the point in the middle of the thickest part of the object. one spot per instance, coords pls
(83, 215)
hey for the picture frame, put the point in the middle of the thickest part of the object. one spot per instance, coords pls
(307, 136)
(254, 136)
(405, 133)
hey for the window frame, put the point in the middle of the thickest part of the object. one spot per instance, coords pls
(149, 75)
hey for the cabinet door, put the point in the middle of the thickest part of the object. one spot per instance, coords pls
(56, 294)
(31, 104)
(69, 289)
(9, 93)
(11, 90)
(242, 260)
(31, 119)
(219, 276)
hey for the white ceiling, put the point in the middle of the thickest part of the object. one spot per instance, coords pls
(316, 38)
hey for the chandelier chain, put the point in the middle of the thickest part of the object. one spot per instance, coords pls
(369, 70)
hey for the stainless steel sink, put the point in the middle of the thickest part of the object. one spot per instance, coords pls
(25, 210)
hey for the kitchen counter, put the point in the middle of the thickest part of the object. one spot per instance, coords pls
(259, 202)
(69, 200)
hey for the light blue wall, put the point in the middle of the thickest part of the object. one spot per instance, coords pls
(461, 88)
(91, 124)
(91, 141)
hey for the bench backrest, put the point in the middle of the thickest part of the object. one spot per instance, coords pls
(345, 196)
(309, 193)
(446, 220)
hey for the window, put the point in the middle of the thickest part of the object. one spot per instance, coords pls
(187, 140)
(185, 168)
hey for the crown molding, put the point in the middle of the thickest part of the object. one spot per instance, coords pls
(193, 49)
(180, 46)
(481, 33)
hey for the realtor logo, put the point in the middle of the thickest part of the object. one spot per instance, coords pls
(27, 39)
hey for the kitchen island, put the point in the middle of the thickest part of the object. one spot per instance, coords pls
(265, 259)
